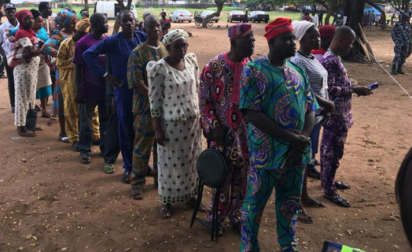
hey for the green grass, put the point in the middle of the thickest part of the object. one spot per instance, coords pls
(156, 11)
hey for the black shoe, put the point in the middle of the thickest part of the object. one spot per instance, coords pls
(393, 72)
(76, 147)
(13, 110)
(399, 71)
(312, 172)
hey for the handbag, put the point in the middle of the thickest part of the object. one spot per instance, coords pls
(31, 118)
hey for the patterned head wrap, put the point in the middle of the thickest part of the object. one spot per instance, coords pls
(327, 31)
(277, 27)
(22, 14)
(240, 30)
(174, 35)
(64, 18)
(83, 25)
(301, 27)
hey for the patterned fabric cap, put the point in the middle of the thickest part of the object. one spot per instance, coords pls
(174, 35)
(240, 30)
(277, 27)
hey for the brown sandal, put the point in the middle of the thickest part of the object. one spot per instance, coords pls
(137, 193)
(165, 211)
(27, 134)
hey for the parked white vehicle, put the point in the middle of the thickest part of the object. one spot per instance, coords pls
(112, 9)
(180, 16)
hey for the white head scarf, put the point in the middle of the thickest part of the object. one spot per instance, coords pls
(174, 35)
(301, 27)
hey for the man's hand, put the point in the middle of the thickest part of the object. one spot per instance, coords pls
(218, 135)
(300, 142)
(362, 91)
(294, 158)
(160, 137)
(79, 97)
(113, 80)
(329, 107)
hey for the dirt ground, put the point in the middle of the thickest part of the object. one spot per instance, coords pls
(52, 202)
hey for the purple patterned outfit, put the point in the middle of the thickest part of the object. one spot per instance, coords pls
(336, 128)
(219, 103)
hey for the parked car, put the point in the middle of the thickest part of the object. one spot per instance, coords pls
(180, 16)
(258, 16)
(235, 16)
(204, 14)
(111, 9)
(283, 8)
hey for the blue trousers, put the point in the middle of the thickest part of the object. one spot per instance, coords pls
(126, 139)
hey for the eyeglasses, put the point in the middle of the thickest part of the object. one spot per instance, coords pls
(181, 46)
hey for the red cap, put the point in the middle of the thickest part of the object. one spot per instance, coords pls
(279, 26)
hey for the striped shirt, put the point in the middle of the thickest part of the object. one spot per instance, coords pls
(317, 74)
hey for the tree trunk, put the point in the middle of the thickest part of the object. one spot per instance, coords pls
(116, 26)
(220, 4)
(380, 10)
(355, 17)
(86, 5)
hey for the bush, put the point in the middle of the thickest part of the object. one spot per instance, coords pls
(68, 5)
(138, 4)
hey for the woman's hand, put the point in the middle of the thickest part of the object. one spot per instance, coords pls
(160, 136)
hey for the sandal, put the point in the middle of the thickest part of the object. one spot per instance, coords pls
(126, 178)
(338, 200)
(45, 115)
(85, 159)
(27, 134)
(64, 139)
(51, 121)
(314, 203)
(341, 186)
(165, 211)
(137, 193)
(108, 168)
(303, 216)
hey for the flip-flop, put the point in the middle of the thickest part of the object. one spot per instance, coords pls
(51, 121)
(338, 200)
(341, 185)
(108, 168)
(64, 139)
(303, 216)
(315, 204)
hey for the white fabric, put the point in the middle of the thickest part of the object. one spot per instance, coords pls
(315, 20)
(173, 93)
(174, 35)
(174, 98)
(25, 84)
(5, 43)
(301, 27)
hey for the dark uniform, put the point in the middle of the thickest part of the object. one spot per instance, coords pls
(401, 35)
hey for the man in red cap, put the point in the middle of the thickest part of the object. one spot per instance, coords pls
(219, 103)
(279, 105)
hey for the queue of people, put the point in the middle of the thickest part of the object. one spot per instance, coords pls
(140, 93)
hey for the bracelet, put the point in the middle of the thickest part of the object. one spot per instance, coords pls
(105, 74)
